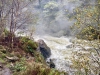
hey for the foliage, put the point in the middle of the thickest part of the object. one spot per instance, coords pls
(84, 64)
(89, 33)
(13, 15)
(39, 57)
(87, 26)
(51, 8)
(32, 45)
(2, 52)
(19, 67)
(39, 69)
(28, 45)
(6, 32)
(87, 17)
(50, 11)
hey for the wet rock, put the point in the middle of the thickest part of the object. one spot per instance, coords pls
(50, 63)
(44, 49)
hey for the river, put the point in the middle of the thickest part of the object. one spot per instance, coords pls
(72, 55)
(62, 51)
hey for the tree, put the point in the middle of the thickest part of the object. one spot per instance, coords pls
(87, 22)
(50, 12)
(51, 9)
(14, 15)
(87, 26)
(3, 14)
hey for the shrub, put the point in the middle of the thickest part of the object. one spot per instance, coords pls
(89, 33)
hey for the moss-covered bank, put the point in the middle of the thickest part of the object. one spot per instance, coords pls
(24, 58)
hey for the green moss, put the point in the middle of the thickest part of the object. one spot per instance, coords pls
(28, 45)
(39, 57)
(32, 44)
(24, 39)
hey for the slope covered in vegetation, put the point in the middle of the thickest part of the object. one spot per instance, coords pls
(23, 58)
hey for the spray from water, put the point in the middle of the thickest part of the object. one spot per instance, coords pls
(53, 16)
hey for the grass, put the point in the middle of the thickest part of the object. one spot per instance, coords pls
(31, 61)
(39, 69)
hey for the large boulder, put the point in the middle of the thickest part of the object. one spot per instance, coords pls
(44, 49)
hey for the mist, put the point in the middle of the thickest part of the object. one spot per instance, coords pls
(53, 16)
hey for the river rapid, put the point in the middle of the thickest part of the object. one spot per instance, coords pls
(62, 51)
(72, 55)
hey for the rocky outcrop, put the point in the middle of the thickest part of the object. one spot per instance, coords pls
(44, 49)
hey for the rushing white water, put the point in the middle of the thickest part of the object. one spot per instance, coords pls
(62, 49)
(60, 54)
